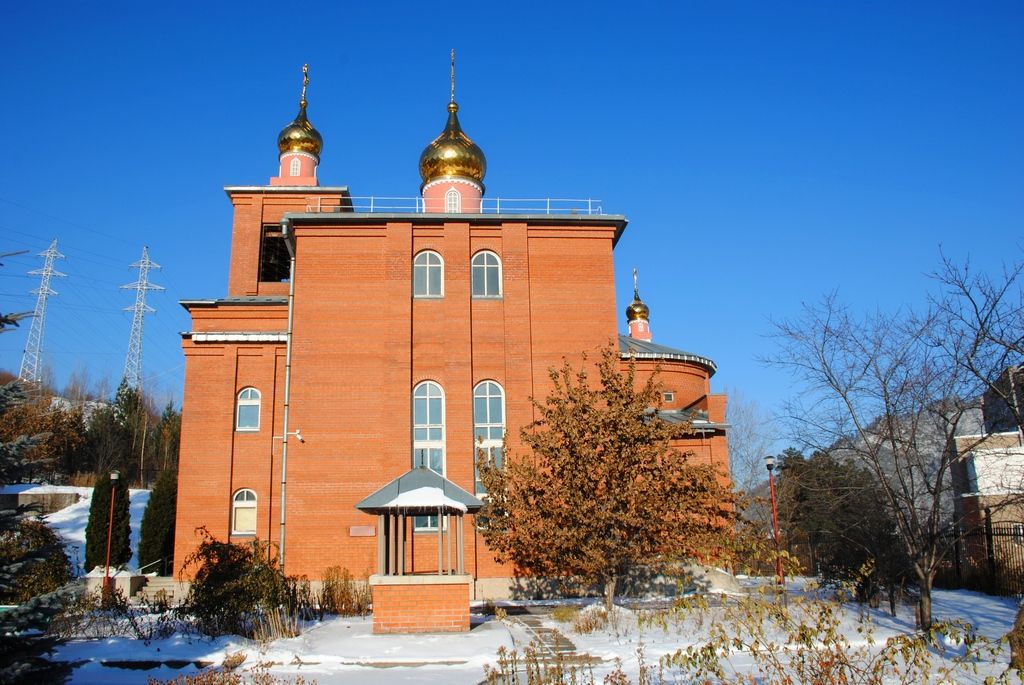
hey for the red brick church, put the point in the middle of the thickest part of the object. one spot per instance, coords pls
(359, 338)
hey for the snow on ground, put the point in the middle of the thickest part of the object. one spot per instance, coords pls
(340, 650)
(36, 488)
(344, 650)
(991, 616)
(70, 522)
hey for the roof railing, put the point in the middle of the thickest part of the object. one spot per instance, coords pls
(488, 205)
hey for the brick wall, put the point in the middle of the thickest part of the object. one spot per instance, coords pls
(420, 607)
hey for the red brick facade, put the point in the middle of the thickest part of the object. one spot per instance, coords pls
(362, 342)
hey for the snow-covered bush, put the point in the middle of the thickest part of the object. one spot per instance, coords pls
(31, 538)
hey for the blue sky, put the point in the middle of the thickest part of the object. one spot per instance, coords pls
(764, 153)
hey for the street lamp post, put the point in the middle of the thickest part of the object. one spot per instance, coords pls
(114, 475)
(769, 463)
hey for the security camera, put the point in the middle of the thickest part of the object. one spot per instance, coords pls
(298, 436)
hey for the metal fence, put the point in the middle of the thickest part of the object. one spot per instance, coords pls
(989, 559)
(488, 205)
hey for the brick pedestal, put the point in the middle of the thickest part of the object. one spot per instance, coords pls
(420, 604)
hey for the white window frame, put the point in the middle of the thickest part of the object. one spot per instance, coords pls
(422, 261)
(490, 427)
(424, 392)
(245, 398)
(453, 201)
(243, 499)
(295, 168)
(480, 267)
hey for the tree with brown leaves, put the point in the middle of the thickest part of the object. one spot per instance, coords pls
(599, 488)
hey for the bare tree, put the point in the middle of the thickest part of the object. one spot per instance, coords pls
(879, 392)
(984, 332)
(750, 439)
(983, 328)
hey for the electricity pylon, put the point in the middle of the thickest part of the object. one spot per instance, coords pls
(133, 362)
(30, 360)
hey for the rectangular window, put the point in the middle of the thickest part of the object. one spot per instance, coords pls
(245, 520)
(668, 397)
(248, 417)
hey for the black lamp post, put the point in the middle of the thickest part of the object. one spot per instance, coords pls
(769, 463)
(114, 475)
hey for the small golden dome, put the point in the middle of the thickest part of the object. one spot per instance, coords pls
(452, 153)
(300, 136)
(637, 310)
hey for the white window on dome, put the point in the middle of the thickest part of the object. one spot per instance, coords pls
(427, 275)
(243, 513)
(488, 427)
(428, 436)
(295, 166)
(452, 201)
(486, 275)
(247, 410)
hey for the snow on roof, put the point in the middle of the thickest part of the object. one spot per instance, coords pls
(427, 497)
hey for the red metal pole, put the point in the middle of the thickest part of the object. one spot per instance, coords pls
(110, 529)
(775, 525)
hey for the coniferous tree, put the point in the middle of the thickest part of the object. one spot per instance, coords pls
(156, 539)
(99, 522)
(168, 434)
(23, 644)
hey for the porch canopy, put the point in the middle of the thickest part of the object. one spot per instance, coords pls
(419, 492)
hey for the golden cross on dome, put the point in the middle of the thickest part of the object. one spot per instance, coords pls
(453, 74)
(305, 82)
(635, 289)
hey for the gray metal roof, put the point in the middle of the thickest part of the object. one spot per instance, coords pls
(697, 418)
(641, 349)
(243, 300)
(420, 477)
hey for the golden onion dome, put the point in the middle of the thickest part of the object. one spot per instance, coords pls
(637, 309)
(452, 153)
(300, 136)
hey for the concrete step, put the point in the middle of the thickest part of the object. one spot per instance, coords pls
(163, 587)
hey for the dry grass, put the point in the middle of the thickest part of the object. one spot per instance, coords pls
(565, 614)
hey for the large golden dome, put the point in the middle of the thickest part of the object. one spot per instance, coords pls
(300, 136)
(452, 153)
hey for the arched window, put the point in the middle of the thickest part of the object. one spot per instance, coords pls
(243, 513)
(428, 436)
(428, 426)
(452, 201)
(488, 426)
(295, 166)
(486, 275)
(427, 275)
(247, 411)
